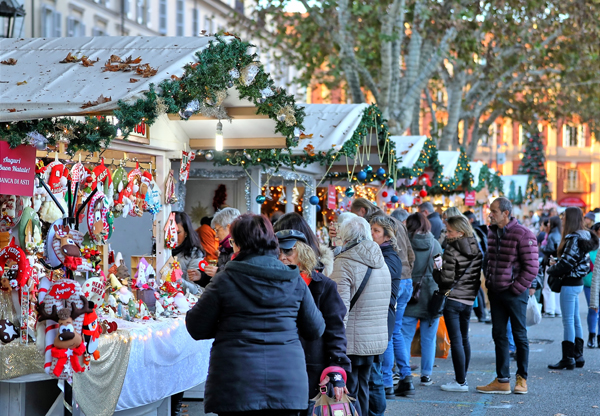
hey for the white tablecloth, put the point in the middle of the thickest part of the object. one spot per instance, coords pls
(164, 360)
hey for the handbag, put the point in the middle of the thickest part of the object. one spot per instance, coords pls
(416, 293)
(323, 405)
(555, 283)
(438, 299)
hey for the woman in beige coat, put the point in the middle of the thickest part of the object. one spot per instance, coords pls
(366, 320)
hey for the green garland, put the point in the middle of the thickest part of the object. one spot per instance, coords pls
(461, 178)
(201, 81)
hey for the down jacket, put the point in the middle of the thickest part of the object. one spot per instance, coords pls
(330, 349)
(366, 323)
(574, 262)
(595, 289)
(256, 309)
(462, 260)
(423, 245)
(513, 260)
(551, 246)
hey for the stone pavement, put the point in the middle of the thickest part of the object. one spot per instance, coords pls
(570, 393)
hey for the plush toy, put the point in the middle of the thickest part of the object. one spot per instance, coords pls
(20, 270)
(98, 227)
(171, 232)
(11, 210)
(67, 246)
(65, 305)
(91, 334)
(30, 232)
(57, 175)
(103, 181)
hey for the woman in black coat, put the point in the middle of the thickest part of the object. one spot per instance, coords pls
(327, 354)
(256, 309)
(460, 273)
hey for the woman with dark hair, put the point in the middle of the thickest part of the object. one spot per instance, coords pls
(189, 252)
(549, 249)
(426, 247)
(295, 221)
(572, 266)
(256, 308)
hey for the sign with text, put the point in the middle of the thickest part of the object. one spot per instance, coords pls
(470, 198)
(17, 169)
(331, 197)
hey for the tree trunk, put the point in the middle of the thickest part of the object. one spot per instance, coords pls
(415, 125)
(454, 91)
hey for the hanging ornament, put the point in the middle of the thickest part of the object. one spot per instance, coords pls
(369, 169)
(423, 193)
(160, 107)
(266, 92)
(349, 192)
(260, 199)
(394, 199)
(318, 207)
(234, 73)
(37, 140)
(170, 197)
(389, 181)
(314, 200)
(361, 176)
(286, 114)
(247, 155)
(380, 172)
(230, 83)
(209, 155)
(171, 232)
(186, 161)
(282, 198)
(295, 196)
(249, 73)
(384, 194)
(424, 180)
(268, 192)
(191, 108)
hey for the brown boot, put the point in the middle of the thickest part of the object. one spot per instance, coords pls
(521, 386)
(495, 387)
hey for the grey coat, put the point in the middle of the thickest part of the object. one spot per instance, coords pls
(187, 263)
(422, 272)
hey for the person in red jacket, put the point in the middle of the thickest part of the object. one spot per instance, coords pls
(512, 265)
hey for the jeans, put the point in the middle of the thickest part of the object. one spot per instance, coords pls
(511, 339)
(428, 341)
(457, 317)
(551, 299)
(396, 347)
(377, 400)
(592, 317)
(504, 306)
(569, 303)
(358, 382)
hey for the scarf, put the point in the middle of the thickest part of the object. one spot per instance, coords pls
(62, 354)
(306, 277)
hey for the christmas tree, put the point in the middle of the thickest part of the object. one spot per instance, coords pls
(511, 191)
(519, 199)
(532, 164)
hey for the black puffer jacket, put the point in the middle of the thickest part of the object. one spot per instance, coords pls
(574, 262)
(392, 259)
(551, 246)
(462, 255)
(330, 349)
(256, 309)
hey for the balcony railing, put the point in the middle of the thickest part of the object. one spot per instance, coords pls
(579, 185)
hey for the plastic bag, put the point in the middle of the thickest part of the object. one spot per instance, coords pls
(442, 342)
(534, 314)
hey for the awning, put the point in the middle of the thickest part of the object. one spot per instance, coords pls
(572, 202)
(330, 125)
(408, 149)
(475, 170)
(449, 161)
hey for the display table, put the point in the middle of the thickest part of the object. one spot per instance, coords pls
(140, 365)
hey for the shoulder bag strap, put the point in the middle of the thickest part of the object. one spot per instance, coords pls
(361, 288)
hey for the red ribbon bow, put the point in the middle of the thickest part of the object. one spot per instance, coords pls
(61, 354)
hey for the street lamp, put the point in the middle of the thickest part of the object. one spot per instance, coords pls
(9, 10)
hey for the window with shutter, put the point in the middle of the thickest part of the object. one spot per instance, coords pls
(162, 17)
(179, 18)
(57, 17)
(70, 27)
(195, 22)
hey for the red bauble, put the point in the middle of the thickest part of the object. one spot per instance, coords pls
(384, 194)
(528, 157)
(423, 193)
(530, 140)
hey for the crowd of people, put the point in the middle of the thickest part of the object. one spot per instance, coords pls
(292, 317)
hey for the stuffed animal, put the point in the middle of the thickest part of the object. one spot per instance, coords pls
(67, 246)
(98, 227)
(11, 210)
(91, 333)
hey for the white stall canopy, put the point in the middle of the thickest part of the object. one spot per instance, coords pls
(39, 86)
(408, 149)
(519, 181)
(449, 161)
(330, 125)
(475, 171)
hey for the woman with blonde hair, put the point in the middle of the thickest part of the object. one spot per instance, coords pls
(325, 356)
(457, 274)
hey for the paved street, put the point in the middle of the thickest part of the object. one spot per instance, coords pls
(571, 393)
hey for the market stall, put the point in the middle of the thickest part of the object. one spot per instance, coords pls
(98, 115)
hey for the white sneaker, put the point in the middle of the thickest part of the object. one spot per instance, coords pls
(454, 386)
